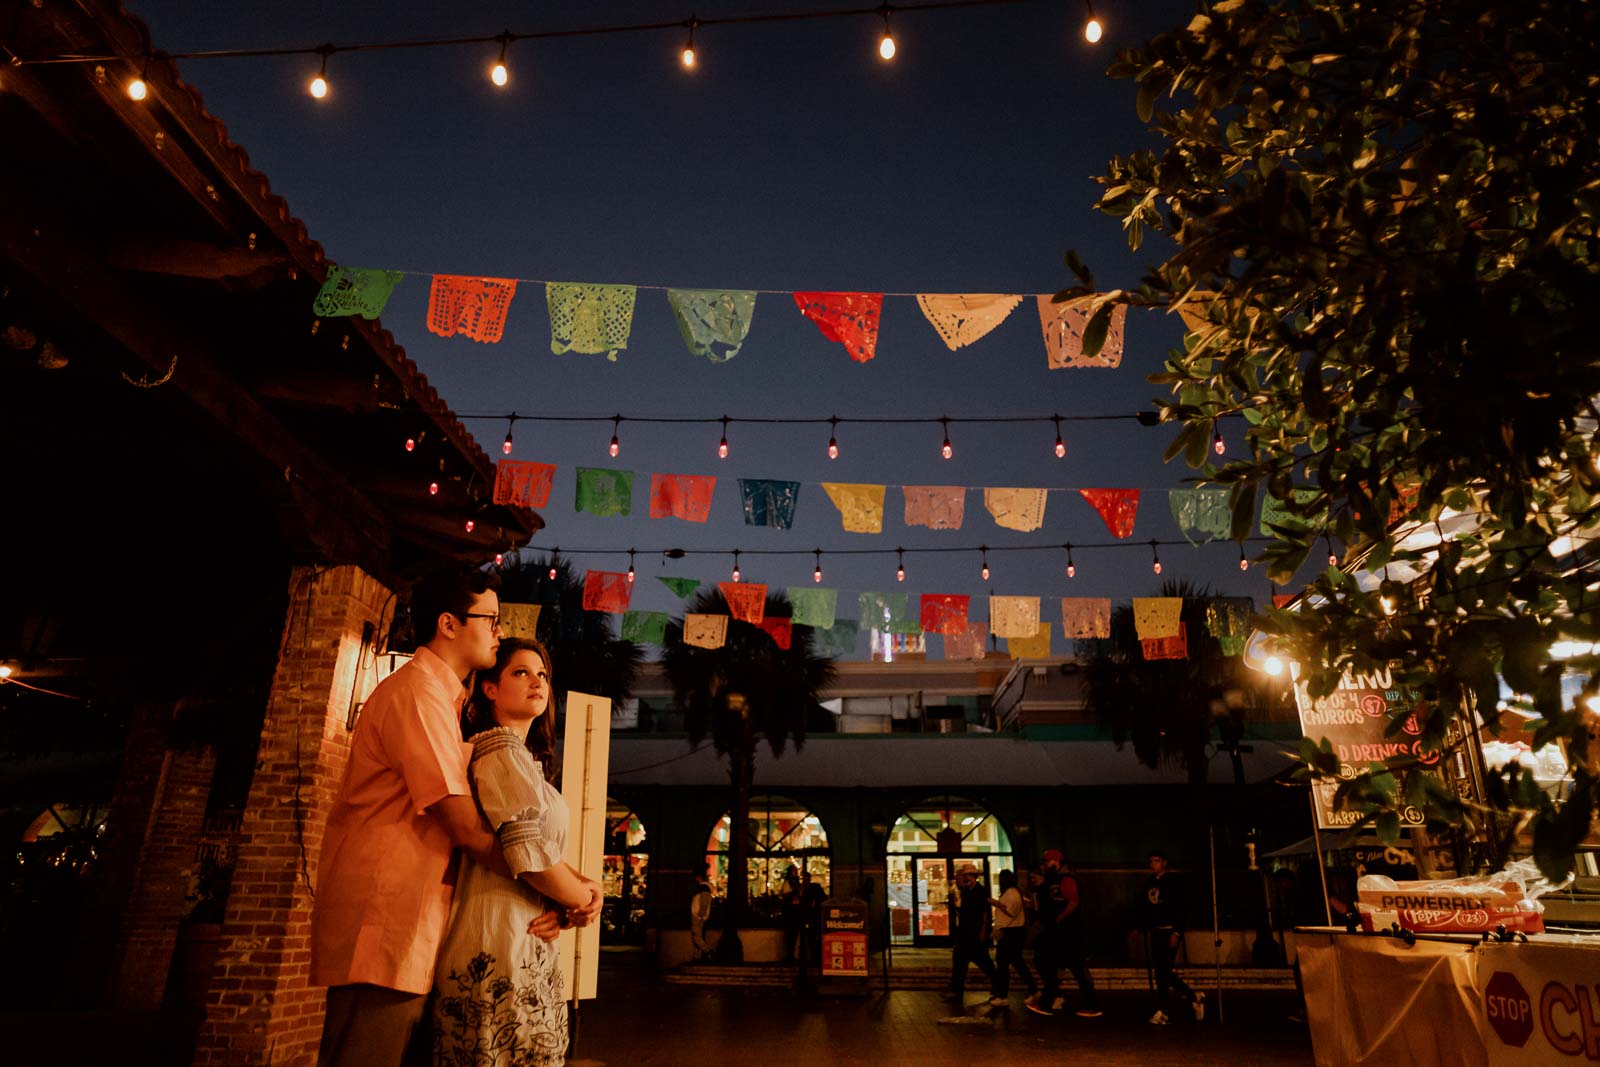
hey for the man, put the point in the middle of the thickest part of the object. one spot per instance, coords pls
(384, 877)
(969, 908)
(1060, 940)
(1163, 923)
(699, 912)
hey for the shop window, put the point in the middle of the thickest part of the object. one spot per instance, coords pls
(783, 836)
(926, 846)
(625, 877)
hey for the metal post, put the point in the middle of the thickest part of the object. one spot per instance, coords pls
(1216, 920)
(1316, 842)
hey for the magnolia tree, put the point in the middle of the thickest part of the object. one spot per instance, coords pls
(1383, 218)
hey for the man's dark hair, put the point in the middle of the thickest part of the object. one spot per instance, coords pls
(451, 589)
(1157, 854)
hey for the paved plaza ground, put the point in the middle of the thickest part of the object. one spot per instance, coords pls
(640, 1020)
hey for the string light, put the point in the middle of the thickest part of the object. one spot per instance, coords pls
(616, 443)
(1333, 559)
(319, 84)
(433, 488)
(985, 572)
(900, 571)
(1061, 445)
(470, 525)
(1092, 29)
(138, 88)
(736, 575)
(1216, 443)
(886, 47)
(722, 446)
(630, 566)
(688, 58)
(1155, 558)
(511, 423)
(833, 438)
(554, 552)
(1244, 564)
(816, 575)
(499, 558)
(498, 73)
(1273, 666)
(411, 444)
(946, 450)
(1072, 569)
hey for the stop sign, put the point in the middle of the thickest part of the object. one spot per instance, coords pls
(1509, 1007)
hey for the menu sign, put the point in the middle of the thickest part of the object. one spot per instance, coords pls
(1353, 719)
(844, 939)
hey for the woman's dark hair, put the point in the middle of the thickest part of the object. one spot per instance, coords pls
(1008, 880)
(479, 715)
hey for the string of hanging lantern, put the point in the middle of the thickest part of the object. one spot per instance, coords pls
(833, 422)
(499, 71)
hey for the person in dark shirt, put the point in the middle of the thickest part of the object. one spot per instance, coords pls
(1163, 925)
(970, 912)
(1060, 940)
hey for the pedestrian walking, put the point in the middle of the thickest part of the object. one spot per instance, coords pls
(1163, 925)
(1061, 940)
(969, 908)
(699, 912)
(1010, 931)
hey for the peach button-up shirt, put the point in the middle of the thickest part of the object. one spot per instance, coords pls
(382, 895)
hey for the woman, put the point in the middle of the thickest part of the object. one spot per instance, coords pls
(498, 997)
(1010, 931)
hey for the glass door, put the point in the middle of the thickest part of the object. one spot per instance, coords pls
(932, 897)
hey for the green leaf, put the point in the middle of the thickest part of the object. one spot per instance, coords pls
(1388, 827)
(1094, 334)
(1145, 105)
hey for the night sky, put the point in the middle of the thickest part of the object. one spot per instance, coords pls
(793, 158)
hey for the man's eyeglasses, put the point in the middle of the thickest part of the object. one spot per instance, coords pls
(494, 620)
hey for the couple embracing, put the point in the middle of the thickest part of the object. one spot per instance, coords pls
(395, 915)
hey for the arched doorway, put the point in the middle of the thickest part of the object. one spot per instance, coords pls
(625, 877)
(928, 844)
(783, 834)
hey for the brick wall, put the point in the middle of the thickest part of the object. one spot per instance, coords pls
(261, 1007)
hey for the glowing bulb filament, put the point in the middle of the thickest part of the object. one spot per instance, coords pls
(616, 446)
(900, 575)
(722, 449)
(816, 575)
(833, 448)
(1093, 31)
(499, 75)
(886, 47)
(1273, 666)
(1216, 443)
(688, 57)
(319, 87)
(137, 89)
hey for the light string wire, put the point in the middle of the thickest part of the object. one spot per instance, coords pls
(511, 37)
(1062, 546)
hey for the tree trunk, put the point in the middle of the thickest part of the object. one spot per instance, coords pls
(741, 774)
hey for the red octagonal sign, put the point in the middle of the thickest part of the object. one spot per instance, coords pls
(1509, 1007)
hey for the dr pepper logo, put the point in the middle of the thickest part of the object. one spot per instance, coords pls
(1568, 1016)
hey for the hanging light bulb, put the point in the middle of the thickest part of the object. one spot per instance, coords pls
(946, 450)
(1244, 564)
(319, 84)
(1333, 558)
(616, 443)
(1155, 558)
(1216, 443)
(498, 73)
(411, 444)
(499, 558)
(900, 571)
(816, 575)
(722, 446)
(1092, 29)
(433, 488)
(505, 446)
(138, 88)
(553, 554)
(985, 572)
(630, 566)
(1061, 445)
(833, 439)
(1072, 570)
(470, 525)
(1273, 666)
(736, 575)
(688, 57)
(886, 47)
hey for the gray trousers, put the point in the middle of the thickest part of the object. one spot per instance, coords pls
(368, 1026)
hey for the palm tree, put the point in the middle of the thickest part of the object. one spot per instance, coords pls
(747, 690)
(585, 655)
(1167, 708)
